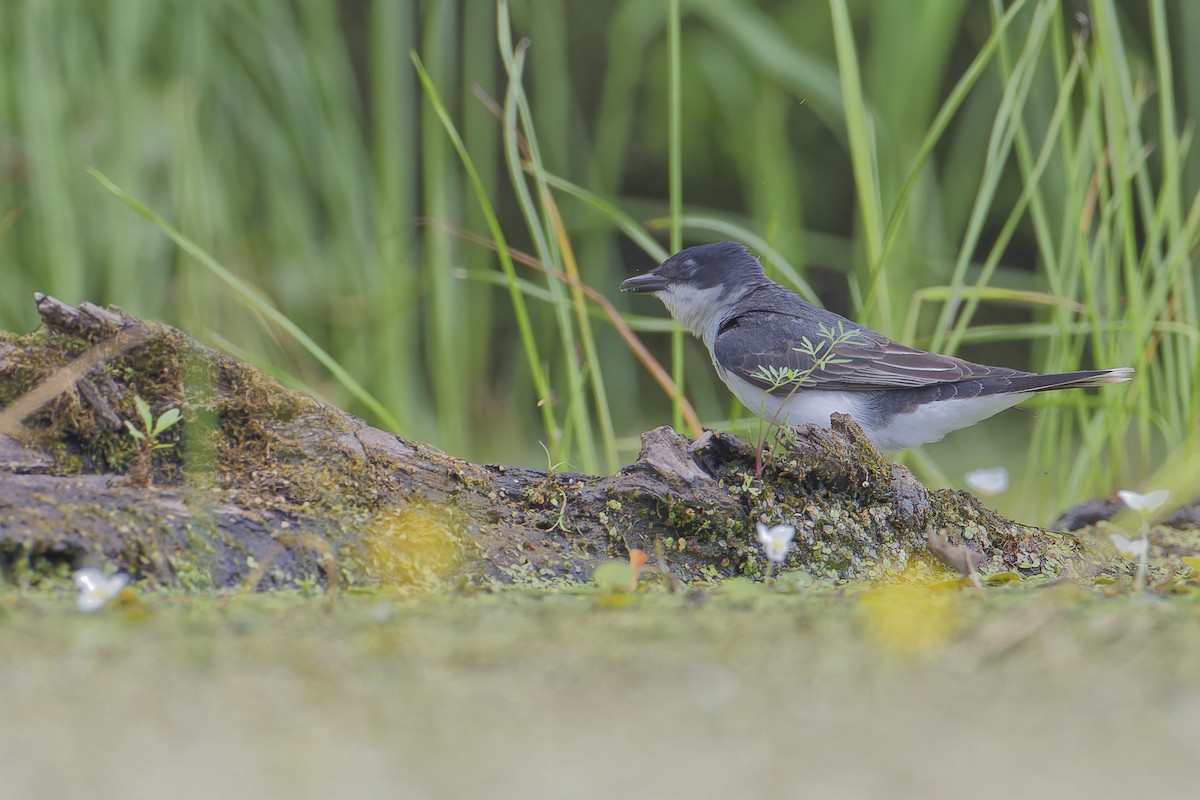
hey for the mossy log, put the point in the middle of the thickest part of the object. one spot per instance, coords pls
(265, 486)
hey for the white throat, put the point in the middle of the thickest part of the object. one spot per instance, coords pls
(700, 311)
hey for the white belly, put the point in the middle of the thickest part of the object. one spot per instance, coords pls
(925, 424)
(931, 422)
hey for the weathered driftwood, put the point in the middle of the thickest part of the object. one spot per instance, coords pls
(267, 486)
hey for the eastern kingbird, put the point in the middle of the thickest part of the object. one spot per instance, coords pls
(790, 361)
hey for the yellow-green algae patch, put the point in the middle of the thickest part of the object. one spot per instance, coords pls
(419, 546)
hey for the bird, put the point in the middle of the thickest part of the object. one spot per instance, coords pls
(793, 362)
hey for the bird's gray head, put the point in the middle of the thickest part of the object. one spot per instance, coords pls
(700, 285)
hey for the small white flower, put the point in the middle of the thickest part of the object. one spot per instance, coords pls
(1145, 503)
(988, 482)
(1130, 549)
(96, 588)
(776, 541)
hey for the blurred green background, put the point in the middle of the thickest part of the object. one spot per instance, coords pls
(1011, 182)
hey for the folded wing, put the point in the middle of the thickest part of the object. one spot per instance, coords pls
(780, 352)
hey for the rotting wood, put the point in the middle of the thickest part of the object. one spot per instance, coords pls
(257, 470)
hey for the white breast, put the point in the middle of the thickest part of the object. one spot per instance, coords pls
(700, 311)
(799, 408)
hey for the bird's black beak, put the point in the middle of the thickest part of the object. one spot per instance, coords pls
(645, 284)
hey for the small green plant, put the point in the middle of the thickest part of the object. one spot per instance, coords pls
(147, 436)
(821, 355)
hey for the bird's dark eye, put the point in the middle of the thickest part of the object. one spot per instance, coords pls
(689, 266)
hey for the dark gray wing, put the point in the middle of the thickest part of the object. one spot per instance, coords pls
(778, 351)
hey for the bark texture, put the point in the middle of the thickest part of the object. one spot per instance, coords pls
(264, 486)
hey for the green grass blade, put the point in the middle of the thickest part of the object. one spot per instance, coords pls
(860, 135)
(675, 183)
(244, 292)
(520, 310)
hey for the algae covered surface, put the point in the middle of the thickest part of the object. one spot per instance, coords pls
(799, 688)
